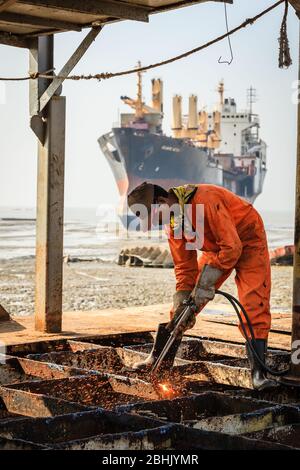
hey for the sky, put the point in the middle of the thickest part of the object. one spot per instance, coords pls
(92, 107)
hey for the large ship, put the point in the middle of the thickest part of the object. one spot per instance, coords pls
(221, 147)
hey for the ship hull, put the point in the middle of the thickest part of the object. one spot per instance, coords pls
(136, 156)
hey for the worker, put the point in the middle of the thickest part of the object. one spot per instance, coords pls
(231, 237)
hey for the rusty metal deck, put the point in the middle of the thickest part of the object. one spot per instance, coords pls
(80, 394)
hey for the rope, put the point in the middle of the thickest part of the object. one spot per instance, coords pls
(284, 60)
(107, 75)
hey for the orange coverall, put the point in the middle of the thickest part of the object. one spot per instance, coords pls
(234, 238)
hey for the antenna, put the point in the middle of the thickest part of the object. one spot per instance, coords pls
(251, 98)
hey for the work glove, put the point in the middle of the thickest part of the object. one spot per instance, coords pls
(205, 287)
(178, 305)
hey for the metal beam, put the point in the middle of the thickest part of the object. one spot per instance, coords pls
(36, 21)
(69, 66)
(50, 220)
(6, 4)
(95, 7)
(40, 60)
(296, 274)
(13, 40)
(49, 127)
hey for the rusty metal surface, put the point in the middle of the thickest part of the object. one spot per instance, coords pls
(21, 370)
(74, 426)
(217, 412)
(18, 444)
(197, 349)
(104, 358)
(281, 395)
(81, 380)
(103, 430)
(288, 435)
(92, 390)
(114, 340)
(36, 406)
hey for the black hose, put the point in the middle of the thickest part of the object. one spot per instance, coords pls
(235, 303)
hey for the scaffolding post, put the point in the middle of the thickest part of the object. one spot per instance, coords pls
(49, 127)
(295, 368)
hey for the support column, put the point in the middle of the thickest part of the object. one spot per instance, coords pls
(50, 218)
(296, 275)
(49, 127)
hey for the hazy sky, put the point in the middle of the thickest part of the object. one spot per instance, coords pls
(92, 107)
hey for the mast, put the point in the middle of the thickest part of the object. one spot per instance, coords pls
(251, 99)
(139, 114)
(221, 93)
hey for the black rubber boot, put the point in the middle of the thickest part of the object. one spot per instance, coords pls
(162, 337)
(259, 379)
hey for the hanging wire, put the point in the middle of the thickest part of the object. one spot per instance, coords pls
(229, 40)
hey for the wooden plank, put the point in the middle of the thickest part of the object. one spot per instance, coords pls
(114, 9)
(28, 20)
(96, 322)
(14, 40)
(5, 4)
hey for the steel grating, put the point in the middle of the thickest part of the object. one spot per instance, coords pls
(81, 394)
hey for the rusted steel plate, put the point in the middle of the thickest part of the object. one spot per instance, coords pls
(170, 436)
(286, 434)
(36, 406)
(281, 395)
(217, 412)
(197, 349)
(91, 390)
(21, 370)
(18, 444)
(91, 341)
(101, 429)
(75, 426)
(103, 358)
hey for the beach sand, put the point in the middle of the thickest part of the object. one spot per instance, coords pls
(100, 285)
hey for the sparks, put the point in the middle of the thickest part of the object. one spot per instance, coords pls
(166, 389)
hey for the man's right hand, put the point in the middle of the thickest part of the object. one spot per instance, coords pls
(178, 298)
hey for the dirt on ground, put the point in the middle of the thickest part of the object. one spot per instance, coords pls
(100, 285)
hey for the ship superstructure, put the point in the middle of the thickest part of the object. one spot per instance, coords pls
(221, 147)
